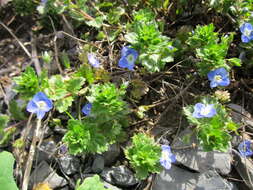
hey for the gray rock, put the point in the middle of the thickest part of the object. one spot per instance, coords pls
(240, 115)
(244, 167)
(120, 176)
(98, 164)
(112, 154)
(111, 187)
(199, 160)
(44, 173)
(69, 164)
(211, 180)
(46, 151)
(175, 179)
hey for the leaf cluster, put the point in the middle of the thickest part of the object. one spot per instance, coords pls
(210, 49)
(213, 133)
(144, 155)
(155, 50)
(103, 126)
(28, 83)
(91, 183)
(63, 90)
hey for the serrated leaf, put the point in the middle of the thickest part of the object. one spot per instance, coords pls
(6, 173)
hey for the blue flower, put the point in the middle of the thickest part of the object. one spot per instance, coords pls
(87, 109)
(247, 32)
(218, 77)
(40, 104)
(202, 110)
(245, 148)
(167, 157)
(128, 57)
(93, 60)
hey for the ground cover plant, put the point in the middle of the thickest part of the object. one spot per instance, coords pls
(95, 94)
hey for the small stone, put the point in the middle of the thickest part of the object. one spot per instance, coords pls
(244, 167)
(110, 187)
(112, 154)
(175, 179)
(46, 151)
(120, 176)
(43, 173)
(199, 160)
(69, 164)
(98, 164)
(211, 180)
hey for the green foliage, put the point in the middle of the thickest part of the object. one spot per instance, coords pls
(91, 183)
(24, 7)
(16, 111)
(85, 137)
(104, 124)
(213, 133)
(238, 10)
(5, 135)
(155, 50)
(6, 173)
(27, 83)
(63, 90)
(211, 50)
(144, 155)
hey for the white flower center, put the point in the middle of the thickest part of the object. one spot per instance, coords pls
(205, 110)
(130, 58)
(218, 78)
(41, 104)
(165, 155)
(247, 32)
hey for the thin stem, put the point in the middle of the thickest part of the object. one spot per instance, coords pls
(31, 156)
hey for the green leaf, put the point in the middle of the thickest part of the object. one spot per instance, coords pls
(91, 183)
(27, 83)
(235, 62)
(97, 22)
(144, 155)
(6, 173)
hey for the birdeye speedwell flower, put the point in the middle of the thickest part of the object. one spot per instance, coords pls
(167, 157)
(40, 104)
(218, 77)
(128, 58)
(247, 32)
(245, 148)
(87, 109)
(202, 110)
(93, 61)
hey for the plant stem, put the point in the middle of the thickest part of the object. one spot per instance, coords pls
(31, 156)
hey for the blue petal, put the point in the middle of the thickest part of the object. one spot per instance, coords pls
(87, 109)
(123, 63)
(242, 28)
(197, 109)
(173, 158)
(166, 148)
(221, 71)
(224, 82)
(31, 106)
(93, 61)
(124, 51)
(245, 148)
(245, 39)
(40, 114)
(213, 84)
(211, 113)
(248, 26)
(211, 75)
